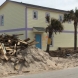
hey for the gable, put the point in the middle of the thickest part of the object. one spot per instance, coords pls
(3, 5)
(34, 6)
(14, 15)
(6, 3)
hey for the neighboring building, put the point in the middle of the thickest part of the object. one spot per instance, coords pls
(18, 17)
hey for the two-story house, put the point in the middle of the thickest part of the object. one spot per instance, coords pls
(28, 19)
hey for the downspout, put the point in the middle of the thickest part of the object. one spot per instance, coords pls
(26, 22)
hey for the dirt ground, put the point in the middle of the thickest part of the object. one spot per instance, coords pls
(36, 60)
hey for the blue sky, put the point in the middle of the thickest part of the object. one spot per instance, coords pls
(58, 4)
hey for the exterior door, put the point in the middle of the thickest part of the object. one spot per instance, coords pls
(38, 39)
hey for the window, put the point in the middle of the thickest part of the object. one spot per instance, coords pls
(69, 21)
(35, 14)
(47, 14)
(60, 18)
(1, 20)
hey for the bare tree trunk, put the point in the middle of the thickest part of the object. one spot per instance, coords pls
(75, 36)
(49, 42)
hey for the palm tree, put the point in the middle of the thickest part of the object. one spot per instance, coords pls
(54, 26)
(72, 16)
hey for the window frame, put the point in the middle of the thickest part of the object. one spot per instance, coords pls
(70, 21)
(47, 13)
(1, 24)
(36, 14)
(2, 20)
(61, 20)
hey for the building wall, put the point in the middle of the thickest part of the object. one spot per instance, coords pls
(40, 22)
(64, 39)
(14, 23)
(14, 18)
(41, 19)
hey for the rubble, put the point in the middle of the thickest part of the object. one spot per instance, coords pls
(11, 44)
(19, 56)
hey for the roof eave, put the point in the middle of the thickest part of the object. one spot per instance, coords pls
(36, 6)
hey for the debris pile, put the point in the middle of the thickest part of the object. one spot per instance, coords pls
(11, 44)
(63, 53)
(19, 56)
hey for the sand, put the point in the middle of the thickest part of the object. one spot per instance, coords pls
(34, 60)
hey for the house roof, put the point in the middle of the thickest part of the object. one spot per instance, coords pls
(36, 6)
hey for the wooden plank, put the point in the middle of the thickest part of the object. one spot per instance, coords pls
(31, 42)
(22, 41)
(14, 51)
(27, 39)
(34, 43)
(18, 34)
(5, 57)
(3, 51)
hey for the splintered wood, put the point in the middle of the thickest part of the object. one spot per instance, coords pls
(11, 44)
